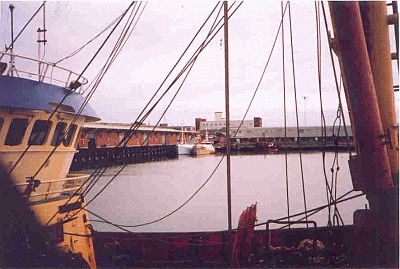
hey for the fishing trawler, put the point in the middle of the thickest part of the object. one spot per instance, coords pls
(205, 147)
(40, 118)
(184, 147)
(25, 108)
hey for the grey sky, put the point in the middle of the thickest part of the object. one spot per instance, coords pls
(162, 33)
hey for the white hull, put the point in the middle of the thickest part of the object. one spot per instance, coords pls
(185, 149)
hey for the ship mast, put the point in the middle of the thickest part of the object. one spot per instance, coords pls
(227, 118)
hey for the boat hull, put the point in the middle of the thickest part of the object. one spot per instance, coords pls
(203, 149)
(185, 149)
(76, 232)
(214, 249)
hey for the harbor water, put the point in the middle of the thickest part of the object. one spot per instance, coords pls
(147, 191)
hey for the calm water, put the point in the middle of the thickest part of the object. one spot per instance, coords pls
(144, 192)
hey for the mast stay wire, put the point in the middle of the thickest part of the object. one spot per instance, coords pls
(334, 180)
(67, 94)
(88, 42)
(318, 209)
(117, 48)
(323, 122)
(285, 117)
(302, 213)
(136, 124)
(170, 72)
(92, 91)
(141, 118)
(311, 212)
(338, 91)
(105, 68)
(96, 175)
(160, 118)
(336, 79)
(222, 158)
(329, 188)
(297, 114)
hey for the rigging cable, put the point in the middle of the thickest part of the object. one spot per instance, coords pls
(297, 115)
(82, 106)
(213, 172)
(88, 42)
(99, 77)
(144, 142)
(340, 200)
(318, 209)
(340, 109)
(170, 72)
(99, 174)
(336, 80)
(329, 188)
(137, 121)
(285, 115)
(336, 216)
(323, 122)
(197, 51)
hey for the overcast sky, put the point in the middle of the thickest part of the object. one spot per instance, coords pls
(161, 35)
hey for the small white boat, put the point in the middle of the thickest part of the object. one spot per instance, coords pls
(184, 148)
(204, 148)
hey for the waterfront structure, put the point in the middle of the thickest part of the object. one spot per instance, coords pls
(219, 123)
(105, 144)
(106, 135)
(273, 134)
(272, 139)
(198, 122)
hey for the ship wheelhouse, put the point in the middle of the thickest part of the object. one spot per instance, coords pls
(41, 112)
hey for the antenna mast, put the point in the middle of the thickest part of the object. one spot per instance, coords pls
(41, 40)
(11, 7)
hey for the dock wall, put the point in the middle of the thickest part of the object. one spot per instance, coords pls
(99, 145)
(86, 158)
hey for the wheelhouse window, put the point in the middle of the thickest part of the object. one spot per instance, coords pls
(40, 131)
(58, 133)
(16, 131)
(70, 135)
(1, 123)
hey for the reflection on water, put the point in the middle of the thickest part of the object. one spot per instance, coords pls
(144, 192)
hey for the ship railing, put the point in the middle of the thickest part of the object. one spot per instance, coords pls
(287, 224)
(72, 183)
(46, 72)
